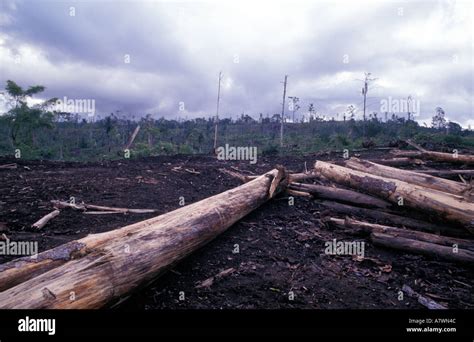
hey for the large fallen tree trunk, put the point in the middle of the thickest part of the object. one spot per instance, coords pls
(409, 177)
(450, 207)
(392, 219)
(103, 267)
(327, 192)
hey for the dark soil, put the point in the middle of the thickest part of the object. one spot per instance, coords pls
(280, 261)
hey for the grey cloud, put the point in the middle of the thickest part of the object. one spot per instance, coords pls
(177, 50)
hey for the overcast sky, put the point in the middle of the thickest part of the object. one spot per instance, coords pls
(157, 57)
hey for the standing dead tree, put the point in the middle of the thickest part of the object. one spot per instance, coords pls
(132, 137)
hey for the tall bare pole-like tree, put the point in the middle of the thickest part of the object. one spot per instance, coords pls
(283, 111)
(365, 90)
(217, 110)
(409, 99)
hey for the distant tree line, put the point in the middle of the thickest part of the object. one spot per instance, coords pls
(39, 131)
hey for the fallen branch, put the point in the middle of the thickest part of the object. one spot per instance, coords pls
(403, 161)
(9, 166)
(45, 219)
(299, 193)
(102, 212)
(84, 207)
(210, 281)
(427, 302)
(119, 210)
(101, 268)
(194, 172)
(62, 204)
(409, 234)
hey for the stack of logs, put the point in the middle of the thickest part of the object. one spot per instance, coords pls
(388, 196)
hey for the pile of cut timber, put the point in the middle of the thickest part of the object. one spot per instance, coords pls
(449, 202)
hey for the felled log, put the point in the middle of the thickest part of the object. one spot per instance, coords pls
(447, 206)
(298, 193)
(422, 247)
(292, 177)
(440, 173)
(437, 156)
(101, 268)
(409, 176)
(392, 219)
(337, 194)
(45, 219)
(366, 227)
(403, 161)
(298, 177)
(119, 210)
(427, 302)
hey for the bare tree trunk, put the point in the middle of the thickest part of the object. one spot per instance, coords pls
(103, 267)
(447, 206)
(337, 194)
(436, 156)
(409, 177)
(422, 247)
(392, 219)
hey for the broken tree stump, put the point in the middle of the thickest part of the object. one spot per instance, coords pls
(101, 268)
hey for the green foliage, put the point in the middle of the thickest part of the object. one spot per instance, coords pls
(39, 133)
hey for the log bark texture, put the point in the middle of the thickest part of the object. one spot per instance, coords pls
(447, 206)
(393, 219)
(437, 156)
(424, 180)
(422, 247)
(337, 194)
(101, 268)
(409, 234)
